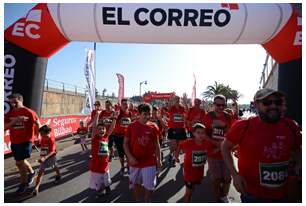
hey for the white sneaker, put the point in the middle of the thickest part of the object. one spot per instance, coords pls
(225, 199)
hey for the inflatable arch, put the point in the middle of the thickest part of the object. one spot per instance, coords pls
(48, 27)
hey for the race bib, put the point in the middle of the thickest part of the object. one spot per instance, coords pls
(103, 148)
(44, 151)
(125, 122)
(198, 158)
(218, 133)
(18, 125)
(273, 174)
(178, 118)
(107, 121)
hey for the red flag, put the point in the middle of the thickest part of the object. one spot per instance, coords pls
(194, 92)
(121, 87)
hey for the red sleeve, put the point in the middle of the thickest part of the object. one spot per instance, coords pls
(34, 116)
(207, 121)
(183, 145)
(156, 131)
(7, 117)
(78, 131)
(52, 146)
(237, 131)
(128, 132)
(296, 132)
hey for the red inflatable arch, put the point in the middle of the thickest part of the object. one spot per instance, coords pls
(48, 27)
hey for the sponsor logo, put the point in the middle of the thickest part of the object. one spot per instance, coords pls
(170, 17)
(29, 27)
(298, 34)
(9, 70)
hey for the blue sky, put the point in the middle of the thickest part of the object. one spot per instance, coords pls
(167, 68)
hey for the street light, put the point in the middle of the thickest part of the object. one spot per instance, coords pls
(143, 82)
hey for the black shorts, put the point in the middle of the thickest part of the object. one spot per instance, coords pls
(119, 145)
(177, 134)
(190, 185)
(21, 151)
(110, 141)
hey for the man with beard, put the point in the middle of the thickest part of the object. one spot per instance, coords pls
(22, 123)
(267, 143)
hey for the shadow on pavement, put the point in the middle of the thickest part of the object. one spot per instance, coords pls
(75, 164)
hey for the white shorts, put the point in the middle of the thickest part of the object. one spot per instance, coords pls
(143, 176)
(99, 180)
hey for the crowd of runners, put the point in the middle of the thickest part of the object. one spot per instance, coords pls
(267, 146)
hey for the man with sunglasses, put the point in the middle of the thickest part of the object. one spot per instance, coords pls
(267, 143)
(217, 123)
(22, 123)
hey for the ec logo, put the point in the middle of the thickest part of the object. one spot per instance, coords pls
(30, 30)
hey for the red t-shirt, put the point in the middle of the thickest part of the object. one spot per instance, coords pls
(177, 117)
(264, 152)
(82, 130)
(195, 115)
(194, 160)
(106, 117)
(123, 121)
(157, 122)
(141, 142)
(216, 129)
(99, 151)
(22, 131)
(47, 145)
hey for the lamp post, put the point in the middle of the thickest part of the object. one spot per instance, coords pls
(143, 82)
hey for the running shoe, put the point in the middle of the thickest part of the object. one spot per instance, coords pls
(31, 177)
(21, 189)
(35, 192)
(57, 179)
(107, 190)
(225, 199)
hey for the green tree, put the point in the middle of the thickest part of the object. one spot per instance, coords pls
(219, 88)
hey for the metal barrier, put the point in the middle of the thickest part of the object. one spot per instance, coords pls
(53, 85)
(268, 67)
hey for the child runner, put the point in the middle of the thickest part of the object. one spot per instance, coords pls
(99, 163)
(82, 132)
(47, 156)
(195, 157)
(143, 152)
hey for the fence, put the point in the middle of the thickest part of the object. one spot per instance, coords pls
(269, 73)
(53, 85)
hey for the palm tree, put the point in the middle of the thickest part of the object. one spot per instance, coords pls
(226, 91)
(215, 89)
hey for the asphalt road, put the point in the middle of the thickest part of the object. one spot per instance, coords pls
(73, 164)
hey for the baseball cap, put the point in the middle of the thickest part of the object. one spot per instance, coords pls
(265, 92)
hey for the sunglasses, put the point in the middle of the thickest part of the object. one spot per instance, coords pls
(219, 105)
(267, 102)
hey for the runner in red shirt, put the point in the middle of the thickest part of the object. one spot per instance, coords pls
(107, 117)
(177, 127)
(123, 121)
(82, 132)
(22, 123)
(267, 143)
(47, 156)
(99, 163)
(195, 157)
(133, 111)
(195, 115)
(217, 123)
(93, 114)
(158, 120)
(143, 152)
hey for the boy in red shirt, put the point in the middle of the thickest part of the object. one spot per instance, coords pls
(195, 157)
(99, 163)
(82, 132)
(47, 156)
(142, 149)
